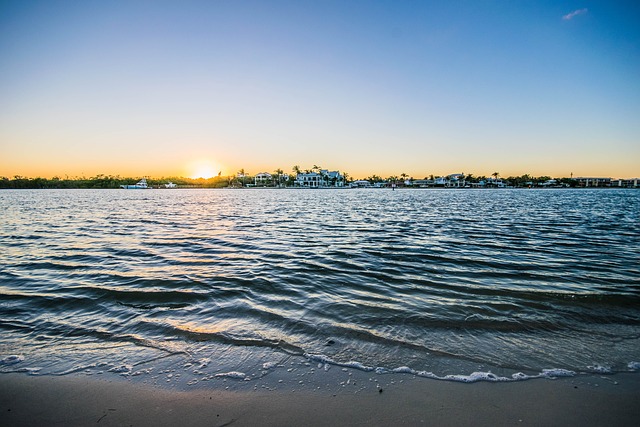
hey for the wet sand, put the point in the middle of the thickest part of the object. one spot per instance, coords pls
(107, 401)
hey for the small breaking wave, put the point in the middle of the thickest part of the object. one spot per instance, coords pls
(471, 378)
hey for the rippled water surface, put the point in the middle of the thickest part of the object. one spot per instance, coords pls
(434, 281)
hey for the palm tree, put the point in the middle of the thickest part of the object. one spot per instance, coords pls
(324, 177)
(278, 173)
(374, 178)
(296, 170)
(495, 175)
(241, 173)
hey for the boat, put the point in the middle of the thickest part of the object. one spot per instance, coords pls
(140, 185)
(170, 185)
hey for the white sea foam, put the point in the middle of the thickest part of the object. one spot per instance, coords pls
(122, 369)
(426, 374)
(403, 370)
(600, 369)
(408, 370)
(556, 372)
(11, 360)
(356, 365)
(28, 371)
(519, 376)
(634, 366)
(269, 365)
(327, 360)
(319, 358)
(473, 377)
(233, 374)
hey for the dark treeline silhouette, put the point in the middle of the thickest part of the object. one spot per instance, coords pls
(108, 181)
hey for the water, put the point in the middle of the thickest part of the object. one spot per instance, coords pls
(237, 283)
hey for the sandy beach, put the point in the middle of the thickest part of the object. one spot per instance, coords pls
(382, 400)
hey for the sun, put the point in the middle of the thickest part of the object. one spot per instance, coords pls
(203, 169)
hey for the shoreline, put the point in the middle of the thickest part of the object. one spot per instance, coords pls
(79, 400)
(179, 188)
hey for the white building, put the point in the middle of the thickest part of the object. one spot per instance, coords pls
(456, 180)
(441, 181)
(261, 179)
(593, 182)
(628, 183)
(323, 179)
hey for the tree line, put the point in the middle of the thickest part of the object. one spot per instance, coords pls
(107, 181)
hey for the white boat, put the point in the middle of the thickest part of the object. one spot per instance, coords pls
(170, 185)
(140, 185)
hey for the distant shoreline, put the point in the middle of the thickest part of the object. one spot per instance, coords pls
(317, 180)
(332, 188)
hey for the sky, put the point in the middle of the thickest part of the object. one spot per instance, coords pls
(196, 88)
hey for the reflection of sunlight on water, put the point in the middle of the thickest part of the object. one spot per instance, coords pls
(212, 327)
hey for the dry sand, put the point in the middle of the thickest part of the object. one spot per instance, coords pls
(108, 401)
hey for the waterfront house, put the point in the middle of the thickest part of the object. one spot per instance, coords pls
(334, 178)
(455, 180)
(323, 179)
(494, 182)
(262, 179)
(308, 180)
(441, 181)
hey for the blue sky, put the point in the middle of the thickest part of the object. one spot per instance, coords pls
(385, 87)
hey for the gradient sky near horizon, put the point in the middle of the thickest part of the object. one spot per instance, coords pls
(190, 88)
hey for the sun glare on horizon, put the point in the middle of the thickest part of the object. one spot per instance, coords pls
(203, 169)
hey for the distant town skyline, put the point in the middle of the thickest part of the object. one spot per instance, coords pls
(165, 88)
